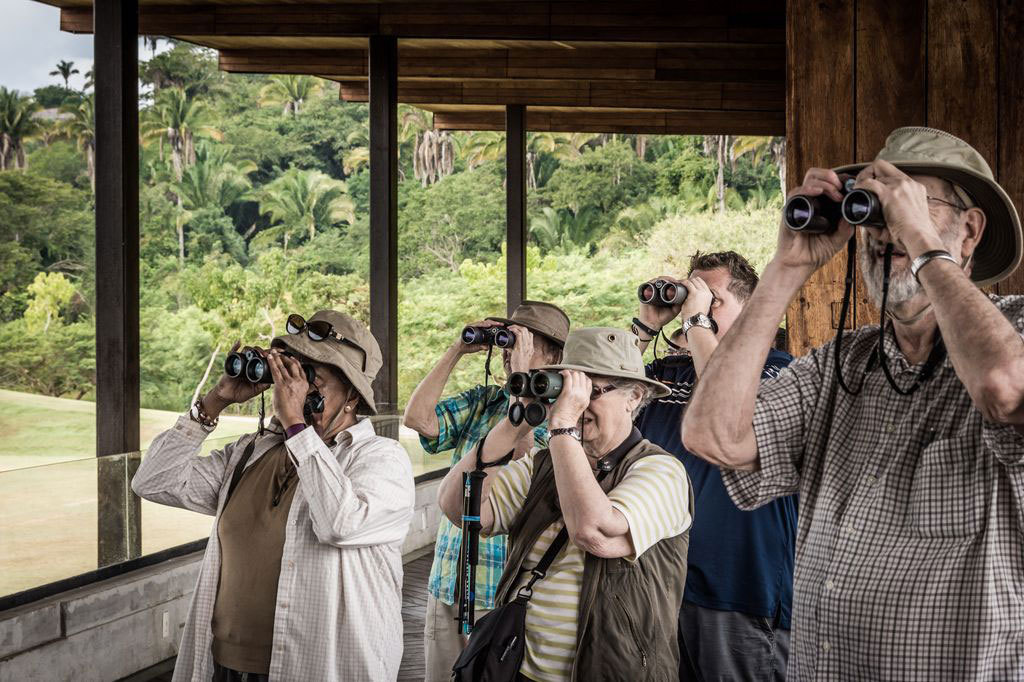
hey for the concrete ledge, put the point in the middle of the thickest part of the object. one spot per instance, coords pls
(116, 598)
(28, 627)
(113, 628)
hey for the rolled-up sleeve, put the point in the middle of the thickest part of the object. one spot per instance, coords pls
(452, 415)
(1004, 442)
(783, 409)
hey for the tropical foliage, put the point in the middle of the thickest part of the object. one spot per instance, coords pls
(254, 203)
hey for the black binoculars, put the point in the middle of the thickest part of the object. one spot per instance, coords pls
(492, 336)
(821, 215)
(661, 292)
(252, 366)
(543, 385)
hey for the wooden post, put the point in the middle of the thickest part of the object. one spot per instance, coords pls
(384, 215)
(117, 276)
(515, 205)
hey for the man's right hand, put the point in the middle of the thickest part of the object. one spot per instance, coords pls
(467, 348)
(657, 316)
(231, 390)
(808, 252)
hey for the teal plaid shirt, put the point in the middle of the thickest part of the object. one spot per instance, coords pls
(462, 421)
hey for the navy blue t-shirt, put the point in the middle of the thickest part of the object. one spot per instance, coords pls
(738, 560)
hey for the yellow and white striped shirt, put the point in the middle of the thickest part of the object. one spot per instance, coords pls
(654, 498)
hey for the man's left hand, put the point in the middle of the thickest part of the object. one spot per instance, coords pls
(290, 388)
(698, 299)
(905, 205)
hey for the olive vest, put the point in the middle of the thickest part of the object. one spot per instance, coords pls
(628, 611)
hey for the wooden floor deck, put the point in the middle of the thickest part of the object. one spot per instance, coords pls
(414, 606)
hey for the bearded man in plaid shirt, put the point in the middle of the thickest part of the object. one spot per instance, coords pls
(910, 541)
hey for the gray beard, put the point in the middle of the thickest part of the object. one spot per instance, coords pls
(902, 285)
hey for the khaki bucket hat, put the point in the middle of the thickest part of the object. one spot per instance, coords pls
(543, 318)
(927, 151)
(357, 356)
(607, 352)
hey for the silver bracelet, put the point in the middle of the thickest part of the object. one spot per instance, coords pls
(927, 257)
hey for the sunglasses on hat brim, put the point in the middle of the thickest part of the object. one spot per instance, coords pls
(320, 330)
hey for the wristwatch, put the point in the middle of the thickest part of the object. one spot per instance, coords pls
(700, 320)
(569, 431)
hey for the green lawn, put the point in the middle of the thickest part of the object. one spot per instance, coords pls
(38, 430)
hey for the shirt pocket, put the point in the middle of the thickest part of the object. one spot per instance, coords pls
(949, 493)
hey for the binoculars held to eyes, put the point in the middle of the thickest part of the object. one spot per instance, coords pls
(542, 385)
(821, 215)
(492, 336)
(661, 292)
(252, 366)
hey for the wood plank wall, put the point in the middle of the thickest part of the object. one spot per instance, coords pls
(957, 65)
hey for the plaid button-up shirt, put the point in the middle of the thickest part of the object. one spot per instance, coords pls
(339, 597)
(910, 542)
(462, 421)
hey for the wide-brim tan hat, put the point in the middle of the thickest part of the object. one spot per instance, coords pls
(543, 318)
(358, 357)
(927, 151)
(607, 352)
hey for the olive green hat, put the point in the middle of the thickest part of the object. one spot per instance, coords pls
(607, 352)
(927, 151)
(542, 318)
(357, 356)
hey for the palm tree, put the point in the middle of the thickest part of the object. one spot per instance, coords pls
(65, 70)
(482, 146)
(289, 92)
(433, 151)
(178, 118)
(213, 181)
(90, 77)
(16, 126)
(560, 146)
(773, 148)
(81, 128)
(304, 200)
(564, 231)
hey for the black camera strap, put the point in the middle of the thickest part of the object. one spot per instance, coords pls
(851, 264)
(878, 356)
(935, 358)
(487, 364)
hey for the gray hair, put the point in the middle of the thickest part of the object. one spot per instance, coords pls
(644, 390)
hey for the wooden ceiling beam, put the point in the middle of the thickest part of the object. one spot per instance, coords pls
(622, 121)
(713, 63)
(581, 93)
(696, 21)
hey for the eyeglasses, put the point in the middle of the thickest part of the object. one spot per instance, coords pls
(320, 330)
(598, 391)
(948, 203)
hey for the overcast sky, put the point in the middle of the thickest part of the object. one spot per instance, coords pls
(31, 44)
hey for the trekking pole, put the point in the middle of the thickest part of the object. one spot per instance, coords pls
(472, 483)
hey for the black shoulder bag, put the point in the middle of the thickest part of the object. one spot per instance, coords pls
(495, 650)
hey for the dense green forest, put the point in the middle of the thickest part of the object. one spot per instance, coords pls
(254, 204)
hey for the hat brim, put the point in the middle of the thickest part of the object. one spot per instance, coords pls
(1002, 244)
(318, 352)
(506, 321)
(660, 389)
